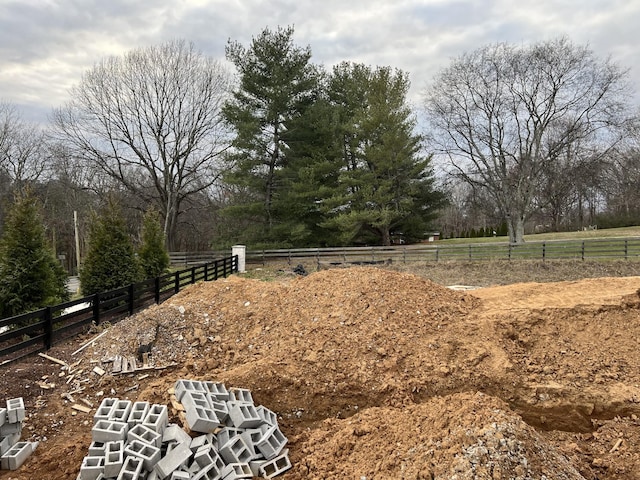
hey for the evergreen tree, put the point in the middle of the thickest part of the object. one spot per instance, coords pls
(153, 256)
(30, 275)
(110, 261)
(277, 84)
(385, 183)
(314, 163)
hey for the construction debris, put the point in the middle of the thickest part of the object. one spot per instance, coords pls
(13, 453)
(233, 438)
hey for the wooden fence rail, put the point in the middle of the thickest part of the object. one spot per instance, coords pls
(35, 331)
(607, 248)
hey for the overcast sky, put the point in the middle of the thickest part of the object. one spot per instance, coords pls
(46, 45)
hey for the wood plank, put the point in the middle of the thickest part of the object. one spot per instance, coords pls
(81, 408)
(53, 359)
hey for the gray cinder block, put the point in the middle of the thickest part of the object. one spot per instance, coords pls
(236, 471)
(180, 454)
(16, 455)
(242, 395)
(157, 418)
(91, 468)
(217, 390)
(202, 420)
(192, 399)
(108, 431)
(244, 415)
(275, 466)
(220, 408)
(149, 454)
(251, 437)
(120, 412)
(180, 476)
(15, 410)
(267, 415)
(11, 429)
(131, 470)
(272, 443)
(103, 412)
(97, 449)
(182, 386)
(236, 451)
(138, 413)
(204, 440)
(226, 434)
(174, 433)
(3, 416)
(113, 458)
(144, 434)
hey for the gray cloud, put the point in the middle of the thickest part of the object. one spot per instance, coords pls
(45, 46)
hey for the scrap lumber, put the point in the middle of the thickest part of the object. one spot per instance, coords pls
(53, 359)
(80, 408)
(89, 343)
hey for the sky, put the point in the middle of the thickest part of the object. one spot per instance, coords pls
(47, 45)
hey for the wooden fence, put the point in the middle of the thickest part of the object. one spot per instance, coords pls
(596, 249)
(627, 248)
(39, 330)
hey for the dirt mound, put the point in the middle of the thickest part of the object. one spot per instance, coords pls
(461, 436)
(376, 374)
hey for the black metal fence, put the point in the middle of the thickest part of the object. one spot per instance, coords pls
(35, 331)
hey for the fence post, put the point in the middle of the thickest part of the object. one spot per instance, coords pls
(206, 272)
(626, 249)
(193, 274)
(404, 255)
(582, 251)
(96, 308)
(176, 287)
(48, 328)
(470, 256)
(373, 255)
(544, 250)
(241, 252)
(156, 293)
(509, 252)
(437, 253)
(131, 299)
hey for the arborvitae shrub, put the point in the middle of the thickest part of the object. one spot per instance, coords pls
(110, 261)
(153, 256)
(31, 277)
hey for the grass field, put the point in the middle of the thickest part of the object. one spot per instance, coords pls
(542, 237)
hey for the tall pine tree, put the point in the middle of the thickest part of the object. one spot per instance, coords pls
(277, 84)
(385, 183)
(30, 275)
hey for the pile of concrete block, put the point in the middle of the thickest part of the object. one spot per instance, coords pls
(13, 452)
(230, 438)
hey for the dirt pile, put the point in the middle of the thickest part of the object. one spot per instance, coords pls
(375, 374)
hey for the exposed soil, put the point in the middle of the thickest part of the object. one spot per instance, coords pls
(379, 374)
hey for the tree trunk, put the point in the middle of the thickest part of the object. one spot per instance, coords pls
(386, 237)
(515, 226)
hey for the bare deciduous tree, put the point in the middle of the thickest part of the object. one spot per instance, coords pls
(502, 113)
(151, 120)
(22, 147)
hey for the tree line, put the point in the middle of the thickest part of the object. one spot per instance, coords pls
(284, 152)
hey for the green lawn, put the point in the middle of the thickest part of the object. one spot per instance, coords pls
(541, 237)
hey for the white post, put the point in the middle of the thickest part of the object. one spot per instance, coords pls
(240, 251)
